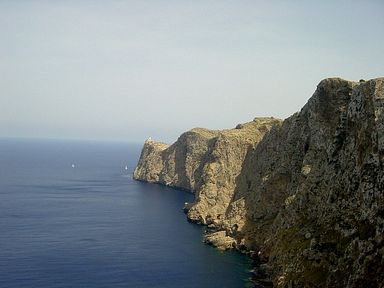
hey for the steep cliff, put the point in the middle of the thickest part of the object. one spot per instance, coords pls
(204, 161)
(308, 197)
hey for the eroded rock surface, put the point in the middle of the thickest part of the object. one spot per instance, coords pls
(204, 161)
(307, 197)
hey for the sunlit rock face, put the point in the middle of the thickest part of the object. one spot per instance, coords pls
(306, 195)
(204, 161)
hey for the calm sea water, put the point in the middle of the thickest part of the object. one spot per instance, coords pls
(93, 226)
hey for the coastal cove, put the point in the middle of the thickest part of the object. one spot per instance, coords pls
(72, 216)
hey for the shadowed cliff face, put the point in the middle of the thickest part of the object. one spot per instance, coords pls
(308, 197)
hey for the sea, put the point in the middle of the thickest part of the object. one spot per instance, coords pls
(72, 216)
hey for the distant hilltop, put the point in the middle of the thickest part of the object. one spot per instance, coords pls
(303, 196)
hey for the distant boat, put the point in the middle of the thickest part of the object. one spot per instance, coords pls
(73, 165)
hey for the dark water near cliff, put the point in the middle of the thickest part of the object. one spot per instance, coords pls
(93, 226)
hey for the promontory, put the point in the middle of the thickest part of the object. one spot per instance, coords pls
(303, 196)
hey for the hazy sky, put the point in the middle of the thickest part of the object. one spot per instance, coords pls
(126, 70)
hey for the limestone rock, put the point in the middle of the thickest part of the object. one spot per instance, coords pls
(318, 178)
(220, 240)
(149, 170)
(204, 161)
(306, 193)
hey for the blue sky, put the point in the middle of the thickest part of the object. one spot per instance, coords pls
(126, 70)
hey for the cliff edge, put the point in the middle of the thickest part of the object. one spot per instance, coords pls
(206, 162)
(305, 196)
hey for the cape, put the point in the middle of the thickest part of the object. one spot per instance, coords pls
(303, 196)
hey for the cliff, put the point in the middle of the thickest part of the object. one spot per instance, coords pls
(306, 195)
(204, 161)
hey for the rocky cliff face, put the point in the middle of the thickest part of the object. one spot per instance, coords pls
(307, 197)
(204, 161)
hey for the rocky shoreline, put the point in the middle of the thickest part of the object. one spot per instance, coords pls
(304, 197)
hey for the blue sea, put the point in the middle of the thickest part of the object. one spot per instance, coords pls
(92, 225)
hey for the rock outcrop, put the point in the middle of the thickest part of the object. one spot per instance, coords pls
(204, 161)
(307, 197)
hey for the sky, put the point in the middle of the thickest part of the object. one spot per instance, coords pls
(127, 70)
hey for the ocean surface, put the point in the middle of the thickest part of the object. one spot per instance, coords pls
(91, 225)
